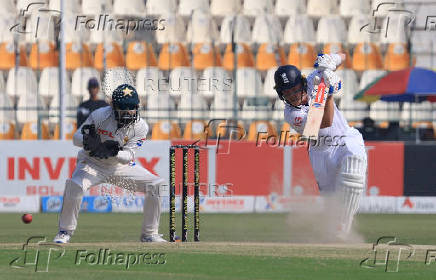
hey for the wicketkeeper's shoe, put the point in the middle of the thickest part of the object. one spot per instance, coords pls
(152, 238)
(62, 237)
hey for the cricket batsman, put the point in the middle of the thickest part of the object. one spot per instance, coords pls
(109, 138)
(340, 163)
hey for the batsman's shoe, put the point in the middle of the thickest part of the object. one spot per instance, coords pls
(62, 237)
(152, 238)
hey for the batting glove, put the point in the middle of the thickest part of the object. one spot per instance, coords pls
(327, 62)
(333, 81)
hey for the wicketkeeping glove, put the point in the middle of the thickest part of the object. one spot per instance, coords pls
(91, 140)
(107, 149)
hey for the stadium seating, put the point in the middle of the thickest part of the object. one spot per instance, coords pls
(205, 55)
(268, 56)
(421, 114)
(80, 78)
(202, 28)
(106, 35)
(40, 27)
(133, 8)
(299, 29)
(256, 108)
(286, 8)
(6, 22)
(349, 8)
(360, 30)
(268, 86)
(221, 8)
(222, 106)
(257, 7)
(192, 106)
(397, 57)
(421, 10)
(245, 57)
(320, 8)
(248, 82)
(215, 81)
(165, 130)
(77, 55)
(424, 49)
(43, 54)
(187, 7)
(7, 126)
(7, 56)
(381, 8)
(367, 56)
(174, 31)
(96, 7)
(139, 55)
(160, 106)
(70, 108)
(196, 130)
(24, 85)
(161, 7)
(384, 112)
(183, 81)
(149, 81)
(70, 128)
(24, 5)
(27, 114)
(49, 83)
(267, 29)
(261, 130)
(70, 6)
(172, 56)
(241, 28)
(230, 129)
(331, 29)
(302, 55)
(353, 110)
(114, 56)
(8, 8)
(395, 28)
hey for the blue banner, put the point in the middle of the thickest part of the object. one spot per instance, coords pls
(90, 204)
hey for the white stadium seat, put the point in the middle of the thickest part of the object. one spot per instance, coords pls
(5, 24)
(267, 29)
(186, 7)
(80, 80)
(49, 83)
(424, 48)
(161, 7)
(6, 108)
(321, 8)
(257, 7)
(133, 8)
(71, 105)
(193, 106)
(150, 80)
(268, 86)
(396, 30)
(382, 111)
(183, 80)
(27, 108)
(422, 10)
(256, 109)
(8, 8)
(174, 31)
(202, 28)
(331, 29)
(242, 29)
(40, 27)
(98, 36)
(248, 82)
(24, 85)
(73, 34)
(355, 36)
(96, 7)
(222, 106)
(290, 7)
(160, 106)
(350, 8)
(349, 83)
(70, 6)
(224, 7)
(299, 29)
(214, 81)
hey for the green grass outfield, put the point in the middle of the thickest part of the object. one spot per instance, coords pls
(233, 246)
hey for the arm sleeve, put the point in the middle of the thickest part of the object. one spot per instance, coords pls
(78, 136)
(297, 118)
(128, 153)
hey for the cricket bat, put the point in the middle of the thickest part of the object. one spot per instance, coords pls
(316, 113)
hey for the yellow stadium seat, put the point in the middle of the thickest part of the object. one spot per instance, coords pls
(7, 131)
(366, 56)
(245, 57)
(77, 55)
(165, 130)
(196, 130)
(7, 56)
(173, 55)
(114, 56)
(43, 54)
(397, 57)
(140, 55)
(70, 129)
(206, 56)
(302, 55)
(268, 56)
(261, 130)
(237, 132)
(30, 131)
(338, 48)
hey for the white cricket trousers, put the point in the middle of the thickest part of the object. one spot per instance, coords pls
(131, 177)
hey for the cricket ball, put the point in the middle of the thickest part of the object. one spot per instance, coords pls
(27, 218)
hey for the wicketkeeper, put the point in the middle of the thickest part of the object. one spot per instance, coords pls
(338, 159)
(109, 138)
